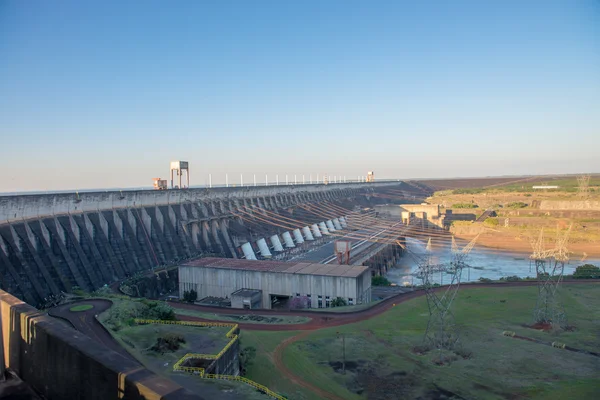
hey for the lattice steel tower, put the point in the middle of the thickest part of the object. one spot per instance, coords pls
(550, 267)
(442, 332)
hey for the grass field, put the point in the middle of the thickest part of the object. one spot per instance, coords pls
(248, 319)
(380, 363)
(81, 307)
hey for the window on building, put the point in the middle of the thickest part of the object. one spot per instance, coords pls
(350, 301)
(327, 302)
(297, 294)
(309, 303)
(320, 302)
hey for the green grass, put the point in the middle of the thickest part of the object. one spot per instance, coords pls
(500, 367)
(81, 307)
(247, 319)
(263, 370)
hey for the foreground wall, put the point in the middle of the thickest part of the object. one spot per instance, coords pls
(61, 363)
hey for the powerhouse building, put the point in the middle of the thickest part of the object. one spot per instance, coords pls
(275, 283)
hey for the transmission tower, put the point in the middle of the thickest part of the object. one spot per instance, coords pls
(584, 186)
(442, 332)
(550, 266)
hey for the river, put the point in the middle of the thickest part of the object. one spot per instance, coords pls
(484, 262)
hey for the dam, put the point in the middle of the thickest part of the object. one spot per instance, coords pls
(53, 243)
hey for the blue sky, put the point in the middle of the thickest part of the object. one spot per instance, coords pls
(106, 94)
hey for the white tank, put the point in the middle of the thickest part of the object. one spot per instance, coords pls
(315, 230)
(276, 243)
(298, 236)
(337, 224)
(330, 226)
(307, 234)
(343, 222)
(323, 228)
(264, 248)
(248, 251)
(287, 239)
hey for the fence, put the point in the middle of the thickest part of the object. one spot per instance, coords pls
(231, 334)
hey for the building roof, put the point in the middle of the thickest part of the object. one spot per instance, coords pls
(246, 292)
(346, 271)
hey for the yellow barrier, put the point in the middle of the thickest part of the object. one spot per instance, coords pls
(247, 381)
(201, 371)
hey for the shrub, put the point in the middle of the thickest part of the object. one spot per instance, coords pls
(247, 356)
(517, 204)
(587, 271)
(170, 342)
(512, 278)
(380, 281)
(464, 205)
(338, 302)
(299, 303)
(491, 222)
(467, 191)
(190, 296)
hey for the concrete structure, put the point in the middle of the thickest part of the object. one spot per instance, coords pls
(409, 213)
(247, 299)
(50, 243)
(278, 281)
(61, 363)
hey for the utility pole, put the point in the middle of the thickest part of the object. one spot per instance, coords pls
(209, 180)
(241, 179)
(226, 180)
(266, 180)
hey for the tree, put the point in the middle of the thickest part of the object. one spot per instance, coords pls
(338, 302)
(190, 296)
(380, 281)
(587, 271)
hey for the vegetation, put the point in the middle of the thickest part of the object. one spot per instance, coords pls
(489, 365)
(247, 356)
(491, 222)
(299, 303)
(464, 205)
(170, 342)
(587, 271)
(339, 302)
(81, 307)
(517, 204)
(468, 191)
(123, 313)
(379, 280)
(190, 296)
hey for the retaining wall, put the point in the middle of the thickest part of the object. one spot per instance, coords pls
(61, 363)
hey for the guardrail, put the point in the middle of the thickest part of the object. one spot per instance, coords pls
(201, 372)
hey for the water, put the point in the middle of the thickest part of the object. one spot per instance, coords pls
(484, 262)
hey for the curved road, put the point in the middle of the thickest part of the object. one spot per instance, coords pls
(325, 319)
(86, 323)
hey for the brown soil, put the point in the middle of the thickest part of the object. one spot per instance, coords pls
(506, 241)
(541, 326)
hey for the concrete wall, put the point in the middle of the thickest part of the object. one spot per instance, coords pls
(52, 243)
(61, 363)
(20, 207)
(222, 282)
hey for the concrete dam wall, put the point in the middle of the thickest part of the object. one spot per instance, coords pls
(54, 242)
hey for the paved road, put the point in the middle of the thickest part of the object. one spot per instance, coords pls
(86, 323)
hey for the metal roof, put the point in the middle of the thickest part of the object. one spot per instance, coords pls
(346, 271)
